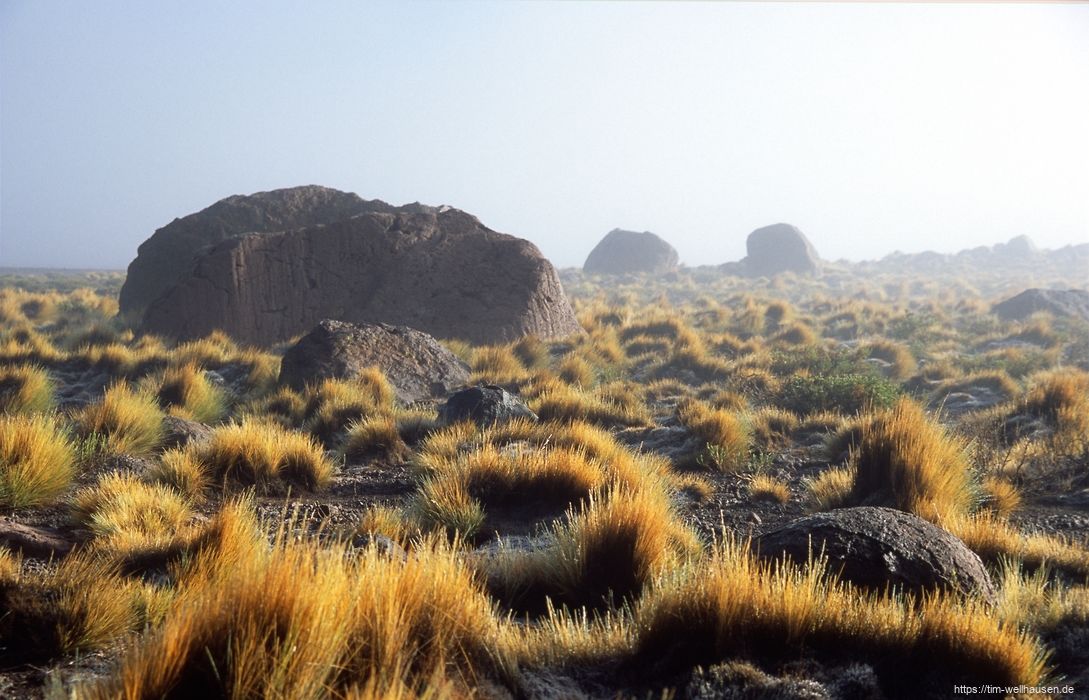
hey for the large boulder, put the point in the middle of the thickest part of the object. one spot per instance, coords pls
(484, 405)
(620, 252)
(166, 257)
(1070, 303)
(877, 547)
(416, 364)
(779, 248)
(438, 270)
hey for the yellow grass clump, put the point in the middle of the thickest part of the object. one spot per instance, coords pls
(125, 513)
(727, 436)
(904, 460)
(25, 389)
(767, 488)
(379, 436)
(130, 420)
(37, 462)
(732, 606)
(185, 391)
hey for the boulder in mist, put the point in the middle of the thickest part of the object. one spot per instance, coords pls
(438, 270)
(1069, 303)
(621, 252)
(779, 248)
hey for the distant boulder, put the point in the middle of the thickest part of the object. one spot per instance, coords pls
(416, 364)
(484, 405)
(1069, 303)
(621, 252)
(779, 248)
(877, 547)
(438, 270)
(1017, 248)
(166, 257)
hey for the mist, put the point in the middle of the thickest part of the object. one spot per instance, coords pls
(871, 127)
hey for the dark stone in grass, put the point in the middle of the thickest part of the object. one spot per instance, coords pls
(878, 547)
(179, 432)
(31, 541)
(485, 406)
(416, 365)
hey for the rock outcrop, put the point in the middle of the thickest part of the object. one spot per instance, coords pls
(621, 252)
(166, 257)
(1069, 303)
(779, 248)
(484, 405)
(876, 547)
(416, 364)
(438, 270)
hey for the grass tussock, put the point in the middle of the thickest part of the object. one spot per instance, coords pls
(334, 404)
(301, 621)
(251, 453)
(25, 389)
(130, 420)
(376, 437)
(904, 460)
(732, 606)
(562, 402)
(767, 488)
(37, 460)
(727, 436)
(125, 513)
(185, 391)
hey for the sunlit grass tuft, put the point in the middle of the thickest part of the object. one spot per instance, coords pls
(37, 461)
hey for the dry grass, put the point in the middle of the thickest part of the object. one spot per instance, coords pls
(561, 402)
(25, 389)
(727, 436)
(125, 513)
(37, 462)
(377, 437)
(996, 540)
(81, 605)
(832, 488)
(185, 391)
(130, 420)
(250, 453)
(605, 553)
(301, 621)
(767, 488)
(335, 403)
(902, 363)
(731, 606)
(904, 460)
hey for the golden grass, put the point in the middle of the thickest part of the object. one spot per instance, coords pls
(185, 391)
(904, 460)
(263, 454)
(772, 426)
(335, 403)
(182, 470)
(729, 606)
(377, 437)
(561, 402)
(999, 496)
(727, 436)
(125, 513)
(832, 488)
(994, 539)
(767, 488)
(25, 389)
(301, 621)
(605, 553)
(130, 420)
(37, 462)
(496, 364)
(902, 362)
(81, 605)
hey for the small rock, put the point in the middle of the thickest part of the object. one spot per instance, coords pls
(484, 405)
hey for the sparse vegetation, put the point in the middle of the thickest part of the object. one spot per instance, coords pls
(37, 461)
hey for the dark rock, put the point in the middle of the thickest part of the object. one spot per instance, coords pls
(875, 547)
(179, 432)
(435, 269)
(165, 258)
(622, 251)
(31, 541)
(1069, 303)
(416, 364)
(484, 405)
(779, 248)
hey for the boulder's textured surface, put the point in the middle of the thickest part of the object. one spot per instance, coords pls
(622, 251)
(779, 248)
(1070, 303)
(166, 257)
(484, 405)
(438, 270)
(179, 432)
(416, 364)
(874, 547)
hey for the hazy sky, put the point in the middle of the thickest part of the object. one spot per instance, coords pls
(872, 127)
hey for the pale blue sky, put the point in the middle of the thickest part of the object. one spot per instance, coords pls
(872, 127)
